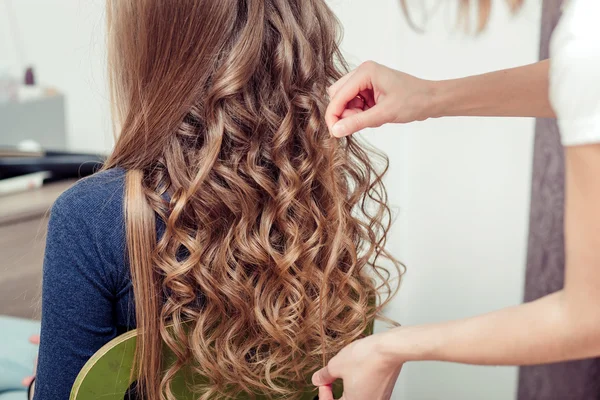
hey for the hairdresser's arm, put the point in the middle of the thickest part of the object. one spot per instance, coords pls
(562, 326)
(395, 97)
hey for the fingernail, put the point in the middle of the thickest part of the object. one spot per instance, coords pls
(338, 130)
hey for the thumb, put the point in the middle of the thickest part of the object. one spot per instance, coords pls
(27, 381)
(325, 393)
(371, 118)
(323, 377)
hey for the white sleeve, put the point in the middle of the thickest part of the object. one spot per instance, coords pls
(575, 73)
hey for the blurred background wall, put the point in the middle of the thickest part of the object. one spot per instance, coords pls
(64, 40)
(460, 187)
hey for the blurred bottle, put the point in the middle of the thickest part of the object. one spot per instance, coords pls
(29, 90)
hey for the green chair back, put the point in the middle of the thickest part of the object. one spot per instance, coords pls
(108, 375)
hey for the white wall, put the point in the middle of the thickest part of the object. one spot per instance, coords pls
(460, 186)
(64, 41)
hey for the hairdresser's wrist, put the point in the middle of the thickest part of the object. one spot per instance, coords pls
(461, 97)
(404, 344)
(444, 99)
(430, 102)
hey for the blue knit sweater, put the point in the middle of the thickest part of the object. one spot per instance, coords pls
(87, 296)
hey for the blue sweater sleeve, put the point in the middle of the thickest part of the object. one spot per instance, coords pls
(80, 282)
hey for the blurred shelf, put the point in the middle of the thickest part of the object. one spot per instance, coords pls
(39, 119)
(30, 204)
(23, 224)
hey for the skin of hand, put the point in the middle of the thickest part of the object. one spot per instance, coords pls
(34, 339)
(385, 95)
(374, 95)
(365, 374)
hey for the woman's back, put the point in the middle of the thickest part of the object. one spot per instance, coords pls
(87, 296)
(252, 240)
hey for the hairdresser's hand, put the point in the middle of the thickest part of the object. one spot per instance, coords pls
(373, 95)
(368, 373)
(34, 339)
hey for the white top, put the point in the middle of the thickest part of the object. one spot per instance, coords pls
(575, 72)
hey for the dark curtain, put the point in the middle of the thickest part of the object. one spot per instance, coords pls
(546, 256)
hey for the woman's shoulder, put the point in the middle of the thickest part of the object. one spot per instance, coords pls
(89, 217)
(100, 194)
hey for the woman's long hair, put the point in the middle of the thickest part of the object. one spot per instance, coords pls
(271, 236)
(484, 10)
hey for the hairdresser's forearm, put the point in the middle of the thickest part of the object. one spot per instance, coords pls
(516, 92)
(540, 332)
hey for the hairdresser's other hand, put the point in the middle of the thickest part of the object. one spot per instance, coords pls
(368, 373)
(373, 95)
(34, 339)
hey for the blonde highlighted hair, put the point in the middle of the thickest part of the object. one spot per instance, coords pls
(256, 241)
(484, 8)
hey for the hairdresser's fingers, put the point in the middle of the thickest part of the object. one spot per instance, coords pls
(34, 339)
(371, 118)
(333, 89)
(350, 112)
(360, 81)
(27, 381)
(324, 377)
(325, 393)
(357, 102)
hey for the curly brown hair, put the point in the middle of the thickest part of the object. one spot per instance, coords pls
(256, 242)
(484, 9)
